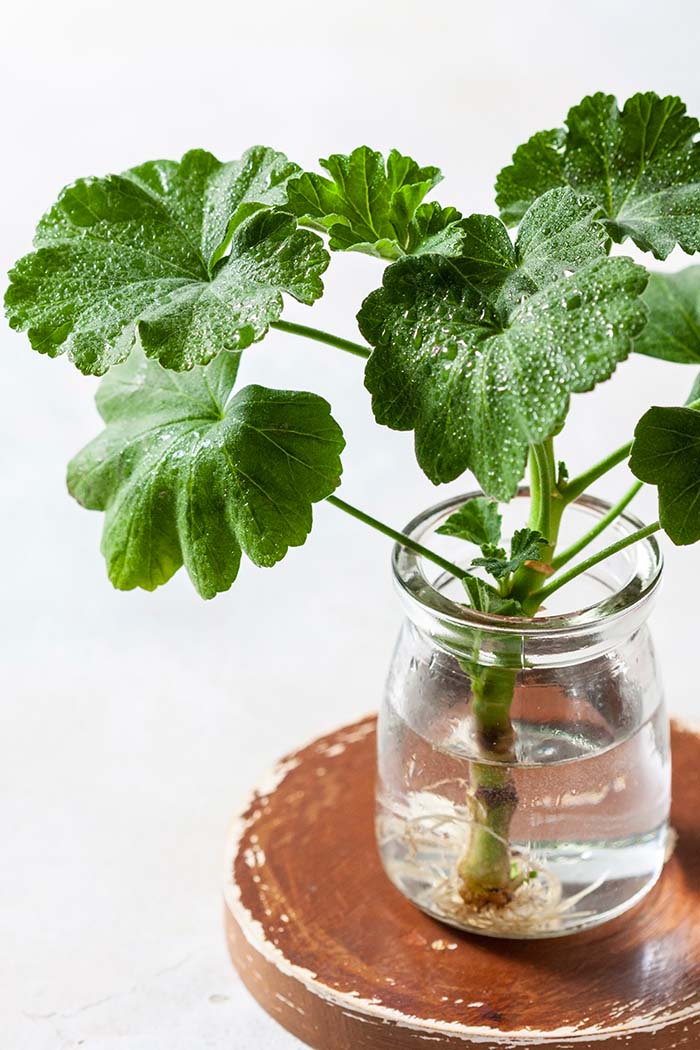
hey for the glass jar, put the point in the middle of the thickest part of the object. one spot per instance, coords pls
(566, 825)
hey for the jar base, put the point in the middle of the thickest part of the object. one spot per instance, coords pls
(564, 887)
(517, 922)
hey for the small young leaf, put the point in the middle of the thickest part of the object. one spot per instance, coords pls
(673, 329)
(666, 453)
(526, 545)
(641, 164)
(486, 599)
(139, 256)
(477, 521)
(479, 354)
(373, 205)
(434, 230)
(187, 474)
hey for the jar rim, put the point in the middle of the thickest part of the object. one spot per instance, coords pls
(415, 587)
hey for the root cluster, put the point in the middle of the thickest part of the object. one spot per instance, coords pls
(426, 850)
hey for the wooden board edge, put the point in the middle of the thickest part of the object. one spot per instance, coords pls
(308, 1008)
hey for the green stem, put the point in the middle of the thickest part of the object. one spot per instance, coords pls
(600, 526)
(577, 486)
(322, 337)
(584, 566)
(485, 870)
(493, 696)
(542, 468)
(535, 490)
(398, 537)
(547, 508)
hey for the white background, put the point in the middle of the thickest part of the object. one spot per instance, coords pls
(132, 724)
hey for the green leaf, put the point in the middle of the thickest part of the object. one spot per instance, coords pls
(526, 545)
(666, 453)
(479, 355)
(694, 394)
(486, 599)
(559, 233)
(139, 256)
(188, 474)
(477, 521)
(641, 164)
(209, 199)
(434, 230)
(673, 329)
(373, 205)
(537, 167)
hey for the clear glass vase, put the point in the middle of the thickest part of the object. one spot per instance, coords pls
(559, 821)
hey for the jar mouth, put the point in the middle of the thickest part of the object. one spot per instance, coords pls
(644, 560)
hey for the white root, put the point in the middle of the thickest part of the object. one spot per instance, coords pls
(439, 839)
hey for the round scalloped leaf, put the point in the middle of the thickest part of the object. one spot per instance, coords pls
(641, 164)
(480, 355)
(666, 453)
(673, 329)
(141, 255)
(188, 474)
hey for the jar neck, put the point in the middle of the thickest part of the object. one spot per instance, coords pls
(602, 608)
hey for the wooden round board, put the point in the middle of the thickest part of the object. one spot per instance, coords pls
(332, 951)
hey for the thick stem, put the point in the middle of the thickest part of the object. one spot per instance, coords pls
(542, 473)
(546, 510)
(322, 337)
(485, 869)
(493, 696)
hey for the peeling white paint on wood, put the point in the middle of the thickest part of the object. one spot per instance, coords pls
(374, 1011)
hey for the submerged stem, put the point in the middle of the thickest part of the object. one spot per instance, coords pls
(485, 871)
(485, 868)
(322, 337)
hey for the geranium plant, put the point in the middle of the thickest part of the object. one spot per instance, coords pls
(162, 276)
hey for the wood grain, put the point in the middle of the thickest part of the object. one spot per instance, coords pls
(331, 950)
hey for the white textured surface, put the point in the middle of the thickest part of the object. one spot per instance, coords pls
(131, 724)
